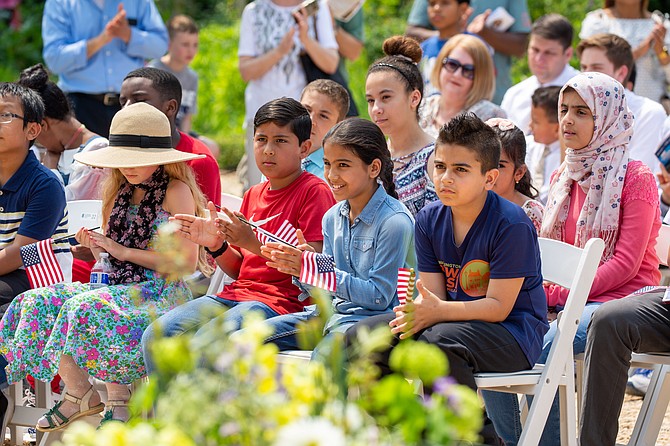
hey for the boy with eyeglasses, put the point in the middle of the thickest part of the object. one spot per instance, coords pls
(32, 201)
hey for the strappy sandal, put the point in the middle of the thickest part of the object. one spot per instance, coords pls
(59, 421)
(108, 416)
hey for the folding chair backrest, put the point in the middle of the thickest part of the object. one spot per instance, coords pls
(219, 278)
(663, 244)
(573, 268)
(84, 214)
(232, 202)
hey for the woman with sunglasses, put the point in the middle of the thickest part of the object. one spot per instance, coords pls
(393, 91)
(465, 76)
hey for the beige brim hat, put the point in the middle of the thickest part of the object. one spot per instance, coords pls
(140, 135)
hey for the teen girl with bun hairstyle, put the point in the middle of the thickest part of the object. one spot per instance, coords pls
(394, 90)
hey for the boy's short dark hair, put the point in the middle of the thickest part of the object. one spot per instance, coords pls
(467, 130)
(617, 50)
(31, 102)
(181, 23)
(285, 112)
(334, 91)
(166, 84)
(554, 27)
(546, 98)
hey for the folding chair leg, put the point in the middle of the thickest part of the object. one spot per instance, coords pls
(579, 381)
(568, 414)
(653, 409)
(537, 415)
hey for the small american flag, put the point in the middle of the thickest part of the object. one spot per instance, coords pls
(41, 264)
(318, 270)
(286, 232)
(405, 276)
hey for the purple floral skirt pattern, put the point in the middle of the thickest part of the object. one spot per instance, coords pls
(101, 329)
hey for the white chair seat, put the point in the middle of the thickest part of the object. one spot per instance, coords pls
(575, 269)
(293, 356)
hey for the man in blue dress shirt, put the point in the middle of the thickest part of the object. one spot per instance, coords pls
(93, 44)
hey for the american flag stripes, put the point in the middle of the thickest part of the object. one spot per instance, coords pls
(318, 270)
(41, 265)
(405, 284)
(286, 233)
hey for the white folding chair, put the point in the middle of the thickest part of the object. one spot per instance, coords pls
(663, 254)
(573, 268)
(81, 214)
(84, 214)
(219, 278)
(655, 403)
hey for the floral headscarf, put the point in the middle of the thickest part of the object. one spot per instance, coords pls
(599, 168)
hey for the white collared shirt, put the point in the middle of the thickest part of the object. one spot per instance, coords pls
(647, 134)
(534, 151)
(517, 100)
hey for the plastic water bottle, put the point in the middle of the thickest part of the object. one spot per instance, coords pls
(100, 272)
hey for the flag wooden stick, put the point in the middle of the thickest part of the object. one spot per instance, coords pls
(410, 284)
(65, 237)
(261, 230)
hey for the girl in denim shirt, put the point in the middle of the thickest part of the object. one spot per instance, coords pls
(369, 233)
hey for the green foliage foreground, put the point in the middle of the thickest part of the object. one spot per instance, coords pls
(242, 396)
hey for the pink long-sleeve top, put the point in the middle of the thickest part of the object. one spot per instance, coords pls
(634, 263)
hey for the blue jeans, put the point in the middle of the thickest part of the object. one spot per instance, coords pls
(285, 328)
(199, 316)
(503, 408)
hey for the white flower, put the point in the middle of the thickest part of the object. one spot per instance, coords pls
(310, 432)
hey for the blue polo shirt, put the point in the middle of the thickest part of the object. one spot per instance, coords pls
(313, 163)
(32, 204)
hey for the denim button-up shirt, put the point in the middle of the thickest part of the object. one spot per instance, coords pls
(368, 253)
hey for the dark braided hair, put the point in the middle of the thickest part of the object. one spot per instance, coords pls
(513, 144)
(402, 56)
(56, 104)
(366, 141)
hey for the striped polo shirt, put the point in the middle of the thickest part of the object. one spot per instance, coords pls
(32, 204)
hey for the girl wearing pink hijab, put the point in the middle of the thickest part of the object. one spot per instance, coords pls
(596, 192)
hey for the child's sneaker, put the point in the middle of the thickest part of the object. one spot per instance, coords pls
(638, 383)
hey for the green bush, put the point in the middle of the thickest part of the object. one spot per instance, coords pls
(23, 47)
(221, 91)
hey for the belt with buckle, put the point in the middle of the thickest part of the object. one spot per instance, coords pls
(109, 99)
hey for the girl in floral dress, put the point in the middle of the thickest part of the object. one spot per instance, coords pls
(514, 182)
(78, 332)
(394, 90)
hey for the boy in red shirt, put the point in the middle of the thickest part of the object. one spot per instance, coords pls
(290, 196)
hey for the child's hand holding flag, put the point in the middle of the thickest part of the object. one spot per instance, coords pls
(284, 258)
(302, 262)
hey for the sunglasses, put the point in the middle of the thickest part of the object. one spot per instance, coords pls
(452, 66)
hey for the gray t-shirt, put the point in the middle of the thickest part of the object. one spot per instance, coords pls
(189, 88)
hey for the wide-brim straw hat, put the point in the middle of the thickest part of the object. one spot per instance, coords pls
(140, 135)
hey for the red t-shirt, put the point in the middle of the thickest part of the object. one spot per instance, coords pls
(206, 169)
(303, 203)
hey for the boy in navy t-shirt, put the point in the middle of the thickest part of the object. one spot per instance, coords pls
(480, 283)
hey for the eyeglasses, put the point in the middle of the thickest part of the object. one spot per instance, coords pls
(6, 118)
(452, 66)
